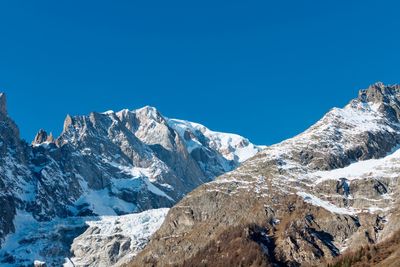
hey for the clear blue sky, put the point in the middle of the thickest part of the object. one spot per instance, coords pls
(264, 69)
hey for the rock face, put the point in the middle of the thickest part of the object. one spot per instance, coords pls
(103, 164)
(15, 175)
(300, 202)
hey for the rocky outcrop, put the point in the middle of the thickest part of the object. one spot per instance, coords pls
(333, 187)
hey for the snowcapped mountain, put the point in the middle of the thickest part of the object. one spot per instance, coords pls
(303, 201)
(103, 164)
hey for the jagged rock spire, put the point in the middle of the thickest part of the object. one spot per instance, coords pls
(67, 122)
(42, 137)
(3, 104)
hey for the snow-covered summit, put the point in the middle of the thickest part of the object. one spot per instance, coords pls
(231, 146)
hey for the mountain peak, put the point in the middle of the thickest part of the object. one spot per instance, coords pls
(377, 84)
(380, 93)
(382, 98)
(150, 112)
(147, 110)
(42, 137)
(3, 104)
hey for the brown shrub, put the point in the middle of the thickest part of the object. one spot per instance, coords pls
(236, 246)
(372, 255)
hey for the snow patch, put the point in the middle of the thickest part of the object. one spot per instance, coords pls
(313, 200)
(361, 169)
